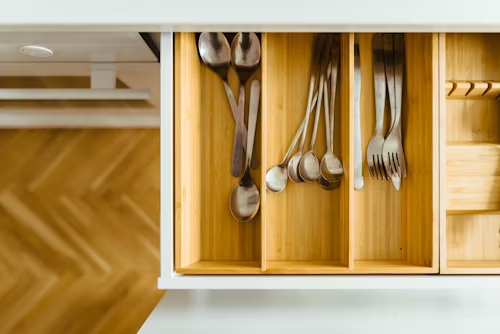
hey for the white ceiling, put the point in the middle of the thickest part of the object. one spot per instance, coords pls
(77, 47)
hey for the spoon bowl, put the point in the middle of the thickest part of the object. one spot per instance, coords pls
(245, 54)
(244, 202)
(215, 52)
(309, 167)
(328, 185)
(245, 57)
(276, 178)
(331, 167)
(293, 168)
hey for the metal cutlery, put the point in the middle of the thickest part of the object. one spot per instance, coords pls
(309, 163)
(392, 151)
(293, 164)
(244, 202)
(277, 176)
(331, 170)
(245, 57)
(358, 159)
(374, 150)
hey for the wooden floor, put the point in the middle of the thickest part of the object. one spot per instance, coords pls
(79, 230)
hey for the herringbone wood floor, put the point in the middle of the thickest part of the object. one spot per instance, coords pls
(79, 230)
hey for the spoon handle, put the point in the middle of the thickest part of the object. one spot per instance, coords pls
(323, 71)
(333, 90)
(319, 43)
(318, 111)
(234, 106)
(237, 159)
(244, 133)
(252, 118)
(327, 115)
(299, 132)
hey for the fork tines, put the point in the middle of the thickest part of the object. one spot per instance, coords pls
(374, 150)
(385, 156)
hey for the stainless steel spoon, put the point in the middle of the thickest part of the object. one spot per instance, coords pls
(329, 180)
(309, 163)
(215, 52)
(331, 168)
(244, 202)
(293, 164)
(245, 56)
(277, 176)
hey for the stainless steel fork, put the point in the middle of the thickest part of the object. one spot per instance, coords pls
(392, 152)
(374, 150)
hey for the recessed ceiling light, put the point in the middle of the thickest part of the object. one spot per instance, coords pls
(36, 51)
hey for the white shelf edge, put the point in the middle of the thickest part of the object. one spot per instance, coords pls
(154, 15)
(37, 120)
(74, 94)
(370, 282)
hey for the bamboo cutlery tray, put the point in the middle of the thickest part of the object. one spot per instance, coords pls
(441, 220)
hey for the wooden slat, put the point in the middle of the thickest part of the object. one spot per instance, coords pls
(390, 267)
(346, 88)
(474, 267)
(306, 267)
(472, 121)
(473, 177)
(264, 123)
(221, 268)
(442, 150)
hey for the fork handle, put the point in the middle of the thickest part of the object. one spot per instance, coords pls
(398, 76)
(358, 159)
(390, 75)
(379, 82)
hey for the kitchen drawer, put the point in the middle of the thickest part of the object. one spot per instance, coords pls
(304, 229)
(470, 224)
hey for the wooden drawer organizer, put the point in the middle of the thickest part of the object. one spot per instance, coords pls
(304, 229)
(470, 230)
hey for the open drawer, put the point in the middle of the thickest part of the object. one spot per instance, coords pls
(304, 229)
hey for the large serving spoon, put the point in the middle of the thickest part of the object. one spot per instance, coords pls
(244, 202)
(215, 52)
(293, 164)
(309, 163)
(245, 56)
(277, 176)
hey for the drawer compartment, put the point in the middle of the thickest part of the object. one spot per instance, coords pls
(395, 231)
(472, 161)
(304, 229)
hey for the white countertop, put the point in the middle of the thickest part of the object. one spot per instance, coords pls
(327, 311)
(257, 15)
